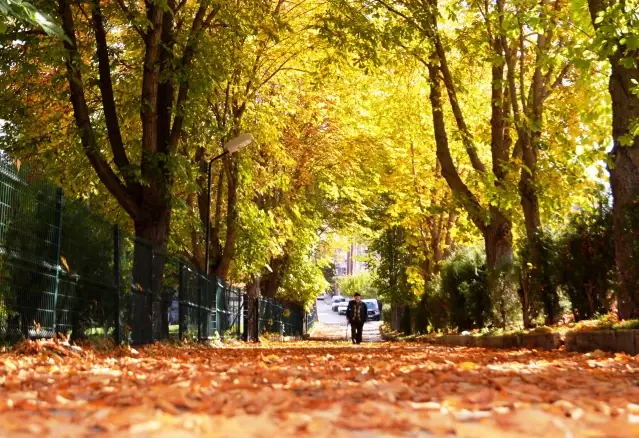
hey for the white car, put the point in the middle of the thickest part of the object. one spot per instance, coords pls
(336, 302)
(341, 309)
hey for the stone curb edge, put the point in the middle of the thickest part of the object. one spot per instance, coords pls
(616, 341)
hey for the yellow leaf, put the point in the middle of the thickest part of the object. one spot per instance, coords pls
(468, 366)
(64, 263)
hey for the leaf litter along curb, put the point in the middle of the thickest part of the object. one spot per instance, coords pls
(315, 389)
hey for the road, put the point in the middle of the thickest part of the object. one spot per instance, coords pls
(326, 314)
(333, 326)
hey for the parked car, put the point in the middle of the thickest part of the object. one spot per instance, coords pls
(336, 301)
(373, 310)
(341, 309)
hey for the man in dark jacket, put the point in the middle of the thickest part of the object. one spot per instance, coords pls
(356, 313)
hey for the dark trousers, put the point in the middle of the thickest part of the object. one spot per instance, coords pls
(356, 331)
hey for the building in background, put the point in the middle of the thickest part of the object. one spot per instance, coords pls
(351, 261)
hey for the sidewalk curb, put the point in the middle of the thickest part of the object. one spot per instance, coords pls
(613, 341)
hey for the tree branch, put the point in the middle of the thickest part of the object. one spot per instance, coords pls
(108, 100)
(82, 115)
(277, 70)
(557, 82)
(150, 82)
(467, 138)
(166, 84)
(130, 15)
(185, 65)
(179, 7)
(448, 169)
(522, 68)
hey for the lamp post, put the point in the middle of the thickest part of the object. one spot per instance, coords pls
(230, 147)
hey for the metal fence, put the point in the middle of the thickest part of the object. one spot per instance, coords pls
(64, 269)
(271, 316)
(311, 317)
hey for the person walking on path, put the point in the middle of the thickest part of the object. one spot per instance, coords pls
(356, 313)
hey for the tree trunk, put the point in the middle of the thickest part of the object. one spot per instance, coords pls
(272, 281)
(624, 172)
(253, 292)
(221, 256)
(396, 316)
(539, 284)
(498, 240)
(624, 180)
(149, 306)
(406, 321)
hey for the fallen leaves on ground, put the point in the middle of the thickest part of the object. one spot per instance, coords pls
(315, 389)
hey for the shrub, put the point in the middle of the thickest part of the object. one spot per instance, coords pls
(464, 286)
(503, 299)
(431, 312)
(585, 264)
(538, 292)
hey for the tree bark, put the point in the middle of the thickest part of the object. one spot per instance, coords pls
(253, 293)
(148, 204)
(150, 306)
(232, 226)
(498, 240)
(497, 229)
(272, 281)
(624, 180)
(624, 171)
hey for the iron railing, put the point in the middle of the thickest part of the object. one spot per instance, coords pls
(310, 319)
(64, 269)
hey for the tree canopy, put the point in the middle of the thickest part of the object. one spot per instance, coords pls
(420, 127)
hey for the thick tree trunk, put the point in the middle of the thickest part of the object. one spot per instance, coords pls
(272, 281)
(624, 173)
(396, 316)
(498, 240)
(624, 180)
(253, 293)
(406, 322)
(149, 306)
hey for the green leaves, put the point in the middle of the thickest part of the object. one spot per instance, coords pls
(26, 13)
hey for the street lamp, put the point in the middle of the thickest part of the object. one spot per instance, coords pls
(230, 147)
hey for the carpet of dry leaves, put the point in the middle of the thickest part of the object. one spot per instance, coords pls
(315, 389)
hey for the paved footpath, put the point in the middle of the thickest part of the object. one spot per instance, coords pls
(335, 332)
(332, 326)
(316, 389)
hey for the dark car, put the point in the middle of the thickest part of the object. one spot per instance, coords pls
(373, 310)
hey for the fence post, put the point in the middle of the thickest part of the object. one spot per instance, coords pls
(199, 304)
(151, 296)
(220, 290)
(256, 333)
(245, 317)
(116, 283)
(181, 306)
(58, 243)
(238, 317)
(281, 313)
